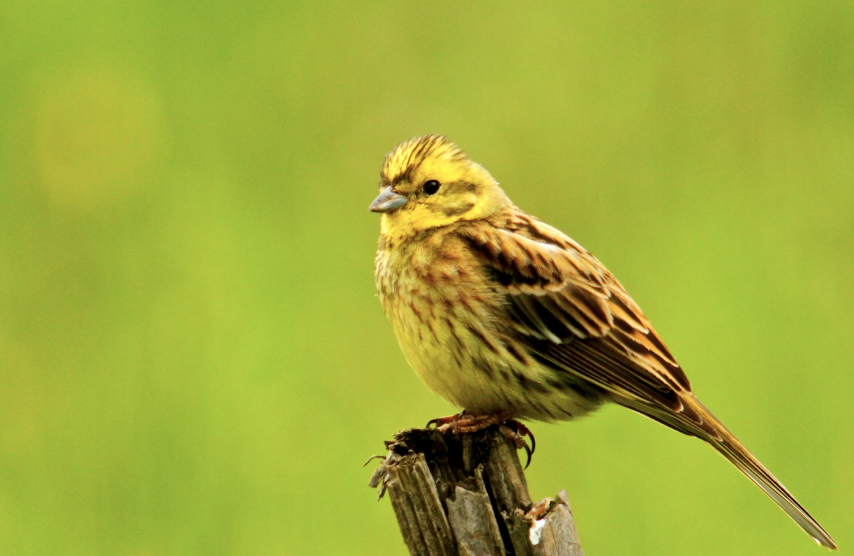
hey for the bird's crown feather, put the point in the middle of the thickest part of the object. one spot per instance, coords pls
(401, 162)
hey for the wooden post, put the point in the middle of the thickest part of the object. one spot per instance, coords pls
(467, 496)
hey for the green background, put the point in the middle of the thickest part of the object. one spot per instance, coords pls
(192, 357)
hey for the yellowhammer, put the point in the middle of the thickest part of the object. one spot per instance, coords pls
(507, 317)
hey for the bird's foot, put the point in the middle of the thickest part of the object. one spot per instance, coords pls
(516, 431)
(465, 423)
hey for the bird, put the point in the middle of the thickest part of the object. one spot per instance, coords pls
(509, 318)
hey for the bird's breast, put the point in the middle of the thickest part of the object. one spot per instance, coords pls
(441, 310)
(449, 320)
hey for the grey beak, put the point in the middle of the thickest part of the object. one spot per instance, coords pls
(387, 201)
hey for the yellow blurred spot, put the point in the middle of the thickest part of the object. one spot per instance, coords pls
(98, 132)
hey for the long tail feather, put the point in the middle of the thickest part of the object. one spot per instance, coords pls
(703, 424)
(738, 455)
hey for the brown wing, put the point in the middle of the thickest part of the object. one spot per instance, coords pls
(574, 316)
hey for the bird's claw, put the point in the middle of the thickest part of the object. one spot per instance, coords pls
(517, 436)
(463, 423)
(442, 423)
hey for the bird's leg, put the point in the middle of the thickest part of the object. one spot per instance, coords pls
(464, 423)
(442, 423)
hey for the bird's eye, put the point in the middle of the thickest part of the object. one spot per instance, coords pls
(431, 187)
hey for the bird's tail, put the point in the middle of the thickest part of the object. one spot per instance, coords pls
(698, 421)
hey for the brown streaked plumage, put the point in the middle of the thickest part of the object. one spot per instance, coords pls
(502, 314)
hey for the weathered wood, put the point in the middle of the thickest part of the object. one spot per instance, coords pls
(422, 520)
(558, 535)
(472, 520)
(467, 496)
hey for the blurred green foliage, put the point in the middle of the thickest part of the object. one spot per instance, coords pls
(192, 358)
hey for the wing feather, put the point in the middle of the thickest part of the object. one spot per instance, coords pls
(574, 316)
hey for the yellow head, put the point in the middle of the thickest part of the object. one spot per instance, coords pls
(429, 182)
